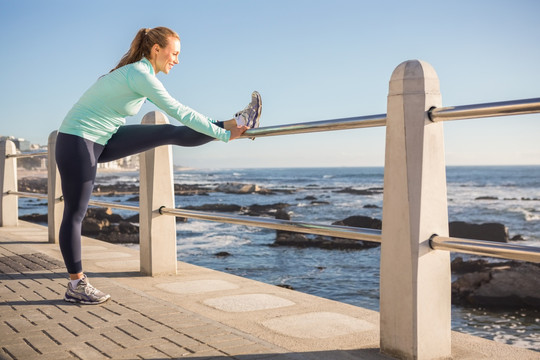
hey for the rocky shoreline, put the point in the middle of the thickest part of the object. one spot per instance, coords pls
(507, 285)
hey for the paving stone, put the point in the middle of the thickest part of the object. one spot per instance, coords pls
(186, 342)
(120, 337)
(317, 325)
(60, 334)
(41, 342)
(56, 355)
(105, 346)
(247, 302)
(20, 351)
(169, 348)
(85, 352)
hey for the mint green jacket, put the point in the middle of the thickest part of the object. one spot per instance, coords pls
(104, 106)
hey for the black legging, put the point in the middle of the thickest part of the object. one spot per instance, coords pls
(77, 160)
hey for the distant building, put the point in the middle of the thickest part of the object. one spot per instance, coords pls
(20, 143)
(129, 162)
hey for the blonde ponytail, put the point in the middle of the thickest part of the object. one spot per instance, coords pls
(143, 42)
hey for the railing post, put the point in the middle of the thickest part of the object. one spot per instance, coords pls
(9, 204)
(55, 204)
(157, 233)
(415, 280)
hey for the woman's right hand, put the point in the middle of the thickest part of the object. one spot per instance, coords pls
(237, 131)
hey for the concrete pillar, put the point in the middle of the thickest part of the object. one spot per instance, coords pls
(415, 280)
(55, 204)
(157, 233)
(9, 204)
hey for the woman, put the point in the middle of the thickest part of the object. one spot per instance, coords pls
(93, 131)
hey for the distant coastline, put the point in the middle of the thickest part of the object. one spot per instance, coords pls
(42, 172)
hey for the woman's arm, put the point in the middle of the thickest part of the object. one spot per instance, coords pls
(150, 87)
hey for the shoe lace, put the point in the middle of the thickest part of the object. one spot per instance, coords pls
(89, 289)
(248, 110)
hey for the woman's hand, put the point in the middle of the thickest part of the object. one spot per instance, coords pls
(237, 131)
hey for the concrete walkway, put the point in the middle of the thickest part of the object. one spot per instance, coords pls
(198, 314)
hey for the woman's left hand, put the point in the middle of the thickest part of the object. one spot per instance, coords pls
(237, 131)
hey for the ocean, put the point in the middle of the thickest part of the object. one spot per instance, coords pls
(511, 196)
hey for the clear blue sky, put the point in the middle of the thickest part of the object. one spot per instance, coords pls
(310, 60)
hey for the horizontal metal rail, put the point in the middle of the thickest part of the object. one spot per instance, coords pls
(467, 246)
(27, 155)
(502, 108)
(319, 126)
(113, 205)
(486, 248)
(347, 232)
(28, 194)
(91, 202)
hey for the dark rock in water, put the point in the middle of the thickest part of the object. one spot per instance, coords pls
(188, 189)
(103, 214)
(488, 231)
(102, 224)
(282, 215)
(460, 267)
(361, 222)
(117, 237)
(118, 188)
(239, 188)
(370, 206)
(259, 210)
(92, 226)
(328, 242)
(222, 254)
(352, 191)
(125, 227)
(517, 237)
(487, 198)
(309, 197)
(509, 285)
(133, 219)
(287, 238)
(35, 218)
(33, 185)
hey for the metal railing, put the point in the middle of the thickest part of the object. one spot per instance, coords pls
(26, 155)
(28, 194)
(502, 108)
(348, 232)
(319, 126)
(468, 246)
(486, 248)
(399, 277)
(91, 202)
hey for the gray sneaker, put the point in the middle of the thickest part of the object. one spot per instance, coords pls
(251, 114)
(85, 293)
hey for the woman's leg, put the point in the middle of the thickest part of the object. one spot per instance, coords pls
(134, 139)
(77, 162)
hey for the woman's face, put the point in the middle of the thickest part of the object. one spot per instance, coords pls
(165, 58)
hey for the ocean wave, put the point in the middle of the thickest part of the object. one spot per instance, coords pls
(531, 216)
(210, 241)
